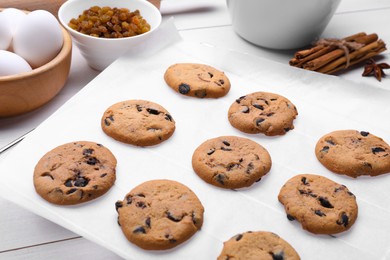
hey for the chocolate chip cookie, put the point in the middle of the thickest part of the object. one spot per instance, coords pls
(353, 153)
(262, 112)
(160, 214)
(321, 205)
(197, 80)
(258, 245)
(74, 173)
(138, 122)
(231, 162)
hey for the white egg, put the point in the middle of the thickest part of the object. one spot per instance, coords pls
(5, 32)
(15, 17)
(39, 38)
(11, 64)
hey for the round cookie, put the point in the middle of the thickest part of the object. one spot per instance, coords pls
(138, 122)
(197, 80)
(257, 246)
(231, 162)
(353, 153)
(74, 173)
(321, 205)
(160, 214)
(262, 112)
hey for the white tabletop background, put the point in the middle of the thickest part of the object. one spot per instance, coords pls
(24, 235)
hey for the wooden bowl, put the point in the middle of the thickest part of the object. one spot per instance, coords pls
(24, 92)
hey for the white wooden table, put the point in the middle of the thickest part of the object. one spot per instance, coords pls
(24, 235)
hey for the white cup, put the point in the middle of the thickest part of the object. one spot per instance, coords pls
(281, 24)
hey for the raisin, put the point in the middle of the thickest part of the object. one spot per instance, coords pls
(92, 160)
(184, 88)
(118, 204)
(139, 230)
(289, 217)
(363, 133)
(286, 129)
(319, 213)
(129, 200)
(325, 202)
(249, 168)
(147, 222)
(201, 93)
(344, 220)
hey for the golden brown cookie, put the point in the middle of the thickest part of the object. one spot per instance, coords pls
(138, 122)
(353, 153)
(160, 214)
(74, 173)
(197, 80)
(321, 205)
(231, 162)
(260, 245)
(262, 112)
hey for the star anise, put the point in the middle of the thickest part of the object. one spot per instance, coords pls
(372, 68)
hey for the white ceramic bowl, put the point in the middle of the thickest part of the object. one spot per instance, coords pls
(101, 52)
(281, 24)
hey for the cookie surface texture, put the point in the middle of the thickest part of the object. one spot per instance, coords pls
(262, 112)
(353, 153)
(160, 214)
(260, 245)
(74, 173)
(231, 162)
(321, 205)
(138, 122)
(197, 80)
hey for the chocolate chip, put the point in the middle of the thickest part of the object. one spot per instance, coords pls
(273, 99)
(141, 204)
(319, 213)
(139, 108)
(140, 195)
(103, 175)
(270, 114)
(221, 81)
(330, 141)
(230, 166)
(342, 187)
(118, 204)
(304, 181)
(194, 220)
(71, 191)
(200, 93)
(129, 200)
(245, 110)
(325, 149)
(258, 106)
(226, 149)
(249, 168)
(211, 151)
(220, 178)
(95, 187)
(289, 217)
(139, 230)
(92, 160)
(147, 222)
(377, 150)
(226, 143)
(172, 240)
(363, 133)
(168, 117)
(81, 182)
(153, 111)
(108, 120)
(173, 217)
(238, 237)
(184, 88)
(239, 99)
(286, 129)
(325, 202)
(344, 220)
(68, 183)
(210, 74)
(277, 256)
(308, 193)
(88, 151)
(259, 121)
(46, 174)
